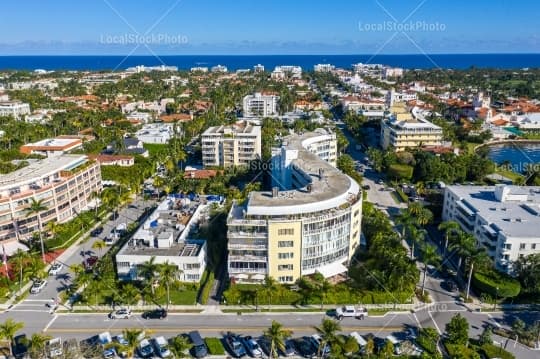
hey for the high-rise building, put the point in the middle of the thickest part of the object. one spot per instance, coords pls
(259, 105)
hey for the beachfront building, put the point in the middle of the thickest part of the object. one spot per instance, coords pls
(65, 183)
(234, 145)
(51, 147)
(15, 109)
(504, 219)
(309, 222)
(404, 130)
(324, 68)
(259, 105)
(166, 236)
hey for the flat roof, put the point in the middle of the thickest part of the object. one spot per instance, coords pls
(40, 169)
(517, 216)
(55, 142)
(238, 129)
(332, 190)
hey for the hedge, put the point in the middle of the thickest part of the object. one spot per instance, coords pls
(426, 341)
(495, 351)
(496, 284)
(398, 171)
(215, 347)
(207, 287)
(461, 351)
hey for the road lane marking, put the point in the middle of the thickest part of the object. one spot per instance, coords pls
(181, 329)
(433, 320)
(50, 322)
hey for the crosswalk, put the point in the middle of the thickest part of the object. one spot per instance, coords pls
(32, 305)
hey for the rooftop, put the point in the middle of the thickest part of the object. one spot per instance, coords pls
(239, 128)
(57, 143)
(40, 169)
(516, 215)
(328, 187)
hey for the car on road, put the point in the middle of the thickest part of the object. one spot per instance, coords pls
(366, 187)
(145, 349)
(304, 347)
(234, 345)
(109, 240)
(159, 313)
(122, 313)
(351, 311)
(56, 268)
(90, 262)
(449, 285)
(380, 181)
(251, 346)
(38, 286)
(96, 232)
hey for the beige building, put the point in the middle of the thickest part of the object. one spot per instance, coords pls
(64, 183)
(408, 130)
(235, 145)
(309, 223)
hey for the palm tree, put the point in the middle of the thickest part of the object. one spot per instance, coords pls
(328, 331)
(36, 344)
(36, 208)
(405, 220)
(430, 255)
(416, 235)
(95, 196)
(8, 330)
(415, 208)
(450, 228)
(276, 335)
(19, 258)
(370, 347)
(52, 228)
(132, 337)
(424, 217)
(463, 244)
(35, 268)
(99, 245)
(147, 271)
(478, 258)
(168, 274)
(269, 286)
(179, 345)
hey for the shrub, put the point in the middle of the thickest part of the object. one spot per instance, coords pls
(397, 171)
(215, 347)
(495, 284)
(207, 287)
(494, 351)
(427, 339)
(461, 351)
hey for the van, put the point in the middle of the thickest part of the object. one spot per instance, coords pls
(199, 347)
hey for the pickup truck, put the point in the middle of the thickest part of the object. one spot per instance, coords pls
(351, 311)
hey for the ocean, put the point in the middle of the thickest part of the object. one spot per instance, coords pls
(234, 62)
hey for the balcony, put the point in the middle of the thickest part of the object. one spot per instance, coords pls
(248, 258)
(239, 234)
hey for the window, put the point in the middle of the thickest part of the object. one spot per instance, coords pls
(286, 232)
(533, 246)
(522, 246)
(508, 246)
(286, 255)
(283, 267)
(285, 244)
(285, 279)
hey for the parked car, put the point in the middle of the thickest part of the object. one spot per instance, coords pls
(56, 268)
(38, 286)
(396, 344)
(316, 341)
(199, 349)
(251, 346)
(122, 313)
(159, 313)
(289, 349)
(109, 240)
(234, 345)
(90, 262)
(96, 232)
(264, 343)
(145, 349)
(105, 341)
(53, 348)
(20, 346)
(160, 347)
(304, 347)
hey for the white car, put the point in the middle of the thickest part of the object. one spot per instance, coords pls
(123, 313)
(38, 286)
(56, 268)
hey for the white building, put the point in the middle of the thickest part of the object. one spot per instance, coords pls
(235, 145)
(324, 68)
(504, 219)
(156, 133)
(393, 96)
(285, 72)
(258, 68)
(15, 109)
(309, 223)
(481, 101)
(259, 105)
(143, 117)
(165, 235)
(199, 69)
(52, 147)
(219, 69)
(392, 72)
(142, 68)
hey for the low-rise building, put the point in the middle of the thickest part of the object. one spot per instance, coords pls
(259, 105)
(165, 236)
(402, 130)
(324, 68)
(503, 219)
(51, 147)
(235, 145)
(159, 133)
(309, 223)
(64, 183)
(15, 109)
(286, 72)
(114, 160)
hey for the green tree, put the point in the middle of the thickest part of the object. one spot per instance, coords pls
(99, 245)
(8, 330)
(147, 271)
(479, 258)
(168, 274)
(276, 335)
(457, 330)
(350, 346)
(430, 255)
(37, 207)
(450, 228)
(269, 287)
(179, 345)
(36, 345)
(328, 331)
(132, 337)
(19, 259)
(370, 347)
(387, 350)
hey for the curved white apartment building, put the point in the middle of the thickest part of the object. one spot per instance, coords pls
(309, 222)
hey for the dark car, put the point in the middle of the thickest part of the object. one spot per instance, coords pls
(199, 349)
(234, 345)
(20, 346)
(96, 232)
(449, 285)
(90, 262)
(304, 347)
(366, 187)
(159, 313)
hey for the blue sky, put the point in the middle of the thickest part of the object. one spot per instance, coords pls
(268, 27)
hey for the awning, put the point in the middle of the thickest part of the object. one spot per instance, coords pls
(331, 270)
(240, 276)
(258, 276)
(12, 247)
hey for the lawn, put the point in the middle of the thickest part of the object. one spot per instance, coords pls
(215, 347)
(515, 177)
